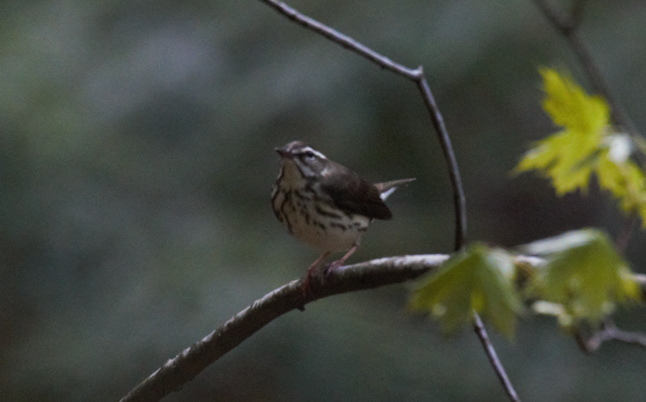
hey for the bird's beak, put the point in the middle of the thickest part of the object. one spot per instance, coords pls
(283, 153)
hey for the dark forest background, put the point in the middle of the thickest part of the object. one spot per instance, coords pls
(136, 162)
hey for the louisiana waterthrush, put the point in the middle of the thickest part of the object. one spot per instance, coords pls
(325, 204)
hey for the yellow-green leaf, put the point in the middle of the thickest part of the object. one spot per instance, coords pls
(584, 274)
(568, 156)
(570, 107)
(585, 145)
(476, 279)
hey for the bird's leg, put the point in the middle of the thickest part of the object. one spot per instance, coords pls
(311, 271)
(336, 264)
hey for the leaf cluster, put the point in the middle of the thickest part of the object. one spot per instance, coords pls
(586, 144)
(476, 279)
(584, 279)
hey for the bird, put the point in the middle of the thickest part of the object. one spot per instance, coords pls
(325, 204)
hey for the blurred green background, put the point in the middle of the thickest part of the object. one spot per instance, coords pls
(136, 162)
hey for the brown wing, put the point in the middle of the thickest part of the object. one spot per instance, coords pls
(354, 195)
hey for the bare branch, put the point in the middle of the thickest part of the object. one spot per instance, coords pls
(366, 275)
(185, 366)
(343, 40)
(609, 332)
(493, 358)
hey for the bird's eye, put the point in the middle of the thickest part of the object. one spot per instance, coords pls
(309, 154)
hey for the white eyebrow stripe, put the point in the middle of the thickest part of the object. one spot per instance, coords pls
(315, 152)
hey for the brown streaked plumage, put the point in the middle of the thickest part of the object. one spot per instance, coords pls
(325, 204)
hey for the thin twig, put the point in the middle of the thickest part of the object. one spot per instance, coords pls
(493, 358)
(341, 39)
(610, 332)
(459, 200)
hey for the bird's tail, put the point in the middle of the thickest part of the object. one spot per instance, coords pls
(387, 188)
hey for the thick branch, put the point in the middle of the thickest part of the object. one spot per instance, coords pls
(185, 366)
(367, 275)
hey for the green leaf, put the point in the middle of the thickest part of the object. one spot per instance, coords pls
(568, 156)
(565, 158)
(570, 107)
(584, 274)
(587, 144)
(476, 279)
